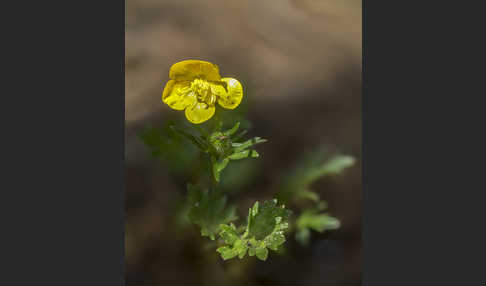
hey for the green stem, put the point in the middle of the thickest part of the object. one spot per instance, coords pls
(214, 183)
(217, 122)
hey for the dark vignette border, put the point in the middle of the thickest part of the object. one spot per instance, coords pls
(64, 152)
(416, 70)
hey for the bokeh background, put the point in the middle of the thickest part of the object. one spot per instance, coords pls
(300, 64)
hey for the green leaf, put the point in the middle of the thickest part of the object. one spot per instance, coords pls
(297, 183)
(166, 145)
(311, 219)
(208, 210)
(238, 248)
(257, 248)
(265, 219)
(229, 233)
(230, 236)
(244, 154)
(261, 253)
(318, 222)
(265, 229)
(233, 130)
(152, 137)
(193, 139)
(227, 252)
(204, 133)
(238, 147)
(239, 136)
(333, 166)
(277, 237)
(307, 194)
(221, 147)
(218, 166)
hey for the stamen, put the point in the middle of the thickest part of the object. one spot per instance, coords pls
(202, 89)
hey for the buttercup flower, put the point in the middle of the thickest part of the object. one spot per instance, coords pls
(196, 86)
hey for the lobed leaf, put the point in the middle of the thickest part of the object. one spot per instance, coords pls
(265, 229)
(311, 219)
(208, 210)
(297, 183)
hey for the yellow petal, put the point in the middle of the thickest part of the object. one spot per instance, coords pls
(199, 112)
(178, 95)
(192, 69)
(232, 98)
(218, 89)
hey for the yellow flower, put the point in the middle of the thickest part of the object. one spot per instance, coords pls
(196, 86)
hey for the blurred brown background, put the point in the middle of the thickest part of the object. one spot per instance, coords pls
(300, 64)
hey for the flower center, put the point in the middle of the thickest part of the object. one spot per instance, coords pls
(202, 89)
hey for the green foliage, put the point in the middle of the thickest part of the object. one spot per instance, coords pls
(266, 223)
(237, 245)
(264, 230)
(222, 146)
(298, 182)
(208, 210)
(312, 219)
(165, 144)
(193, 139)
